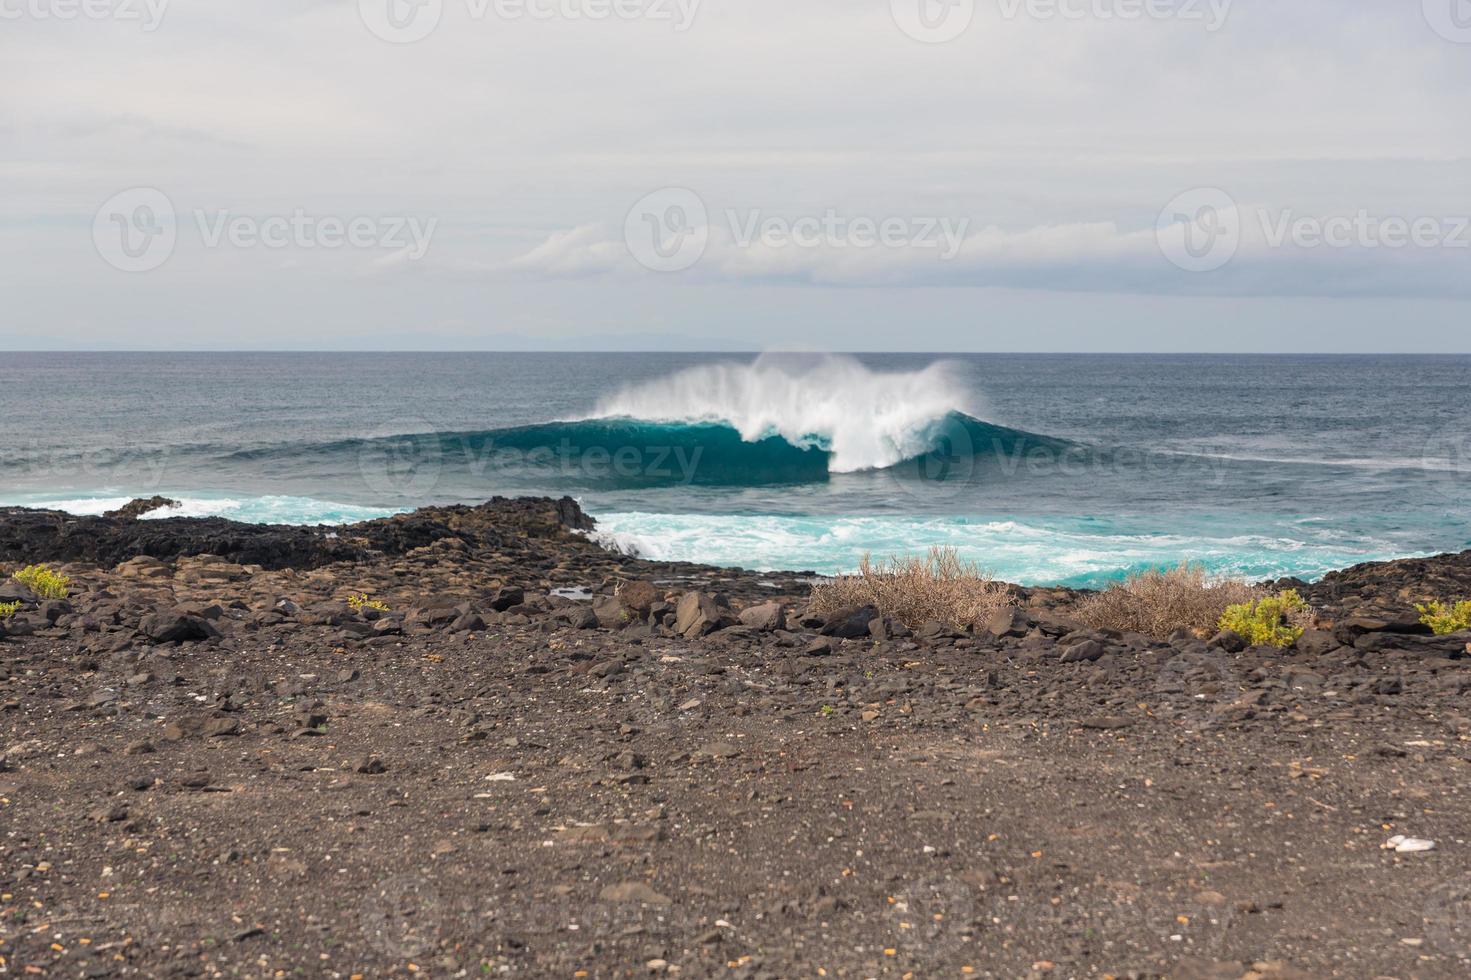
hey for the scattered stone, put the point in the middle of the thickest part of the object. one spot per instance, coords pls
(1229, 640)
(718, 750)
(1086, 652)
(176, 627)
(934, 630)
(1009, 621)
(507, 597)
(220, 727)
(767, 617)
(468, 622)
(1107, 722)
(850, 623)
(577, 617)
(823, 646)
(633, 891)
(639, 597)
(611, 613)
(696, 615)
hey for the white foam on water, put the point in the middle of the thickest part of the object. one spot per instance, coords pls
(867, 419)
(1058, 552)
(269, 509)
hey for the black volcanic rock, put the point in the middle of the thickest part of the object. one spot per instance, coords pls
(139, 506)
(1393, 584)
(52, 536)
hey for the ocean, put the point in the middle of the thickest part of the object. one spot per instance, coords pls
(1045, 468)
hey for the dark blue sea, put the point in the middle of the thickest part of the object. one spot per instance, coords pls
(1061, 468)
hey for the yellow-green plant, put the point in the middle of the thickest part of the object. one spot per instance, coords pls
(357, 602)
(8, 609)
(1271, 620)
(1444, 619)
(42, 581)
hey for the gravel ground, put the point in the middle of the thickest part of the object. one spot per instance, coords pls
(537, 795)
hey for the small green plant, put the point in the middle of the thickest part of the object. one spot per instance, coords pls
(827, 711)
(357, 602)
(8, 609)
(1444, 619)
(45, 583)
(1273, 620)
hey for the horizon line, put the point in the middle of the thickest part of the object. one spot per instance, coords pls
(746, 352)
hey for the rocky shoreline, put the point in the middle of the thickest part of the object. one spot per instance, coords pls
(469, 741)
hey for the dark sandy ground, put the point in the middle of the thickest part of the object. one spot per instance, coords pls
(215, 768)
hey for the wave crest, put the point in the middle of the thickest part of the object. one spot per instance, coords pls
(864, 419)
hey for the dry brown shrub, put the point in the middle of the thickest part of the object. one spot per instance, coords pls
(1160, 601)
(914, 590)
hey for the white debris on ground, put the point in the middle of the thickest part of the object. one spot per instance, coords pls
(1401, 844)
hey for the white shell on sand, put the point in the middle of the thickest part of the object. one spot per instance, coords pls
(1401, 844)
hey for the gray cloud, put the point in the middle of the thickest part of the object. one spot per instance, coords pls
(1057, 141)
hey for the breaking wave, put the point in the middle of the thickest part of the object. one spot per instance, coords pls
(860, 418)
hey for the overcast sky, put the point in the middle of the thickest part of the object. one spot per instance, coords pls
(1164, 175)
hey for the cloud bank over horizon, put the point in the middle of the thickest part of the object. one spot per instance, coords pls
(712, 174)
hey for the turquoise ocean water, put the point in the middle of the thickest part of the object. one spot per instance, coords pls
(1045, 468)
